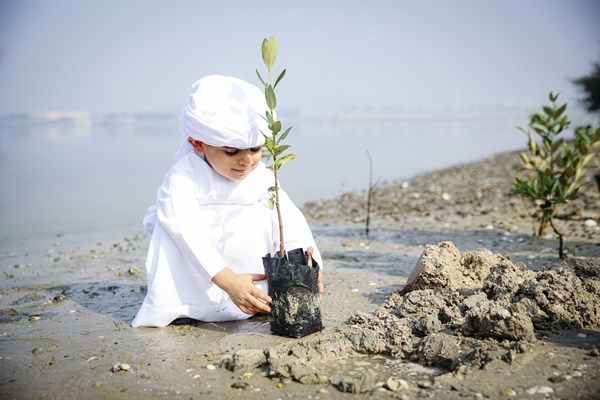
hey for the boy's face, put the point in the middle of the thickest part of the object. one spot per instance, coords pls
(234, 164)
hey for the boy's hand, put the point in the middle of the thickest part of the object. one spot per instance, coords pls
(242, 292)
(309, 252)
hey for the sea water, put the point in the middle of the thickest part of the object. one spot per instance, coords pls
(94, 180)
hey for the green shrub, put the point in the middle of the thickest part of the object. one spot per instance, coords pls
(556, 166)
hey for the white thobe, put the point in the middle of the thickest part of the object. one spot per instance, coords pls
(203, 222)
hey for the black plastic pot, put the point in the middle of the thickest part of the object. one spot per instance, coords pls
(293, 286)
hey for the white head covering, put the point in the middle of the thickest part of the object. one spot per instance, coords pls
(224, 111)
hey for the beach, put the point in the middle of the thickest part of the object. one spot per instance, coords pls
(65, 313)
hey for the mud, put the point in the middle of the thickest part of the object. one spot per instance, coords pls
(457, 311)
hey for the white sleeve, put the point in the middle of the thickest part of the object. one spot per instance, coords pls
(296, 232)
(178, 213)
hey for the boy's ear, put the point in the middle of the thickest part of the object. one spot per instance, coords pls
(196, 144)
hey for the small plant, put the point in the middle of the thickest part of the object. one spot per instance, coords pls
(273, 142)
(556, 166)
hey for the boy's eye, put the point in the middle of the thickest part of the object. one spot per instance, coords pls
(256, 149)
(232, 152)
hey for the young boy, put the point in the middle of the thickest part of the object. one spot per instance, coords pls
(211, 224)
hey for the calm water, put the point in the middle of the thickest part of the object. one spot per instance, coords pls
(95, 182)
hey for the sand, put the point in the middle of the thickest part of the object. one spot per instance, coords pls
(493, 313)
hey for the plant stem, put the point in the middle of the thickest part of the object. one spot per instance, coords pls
(369, 194)
(561, 253)
(281, 242)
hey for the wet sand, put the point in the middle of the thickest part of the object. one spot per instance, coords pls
(64, 315)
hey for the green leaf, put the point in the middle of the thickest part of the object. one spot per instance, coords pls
(275, 127)
(272, 189)
(549, 111)
(524, 158)
(270, 97)
(269, 118)
(269, 51)
(284, 135)
(531, 143)
(280, 77)
(281, 149)
(270, 145)
(280, 162)
(560, 110)
(260, 77)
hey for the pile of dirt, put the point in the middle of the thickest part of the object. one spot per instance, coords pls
(457, 310)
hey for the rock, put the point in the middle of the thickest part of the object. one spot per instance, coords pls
(134, 271)
(545, 390)
(244, 359)
(121, 367)
(211, 367)
(33, 318)
(581, 335)
(240, 385)
(247, 376)
(37, 351)
(322, 391)
(556, 379)
(98, 384)
(445, 196)
(366, 383)
(576, 374)
(425, 384)
(509, 392)
(58, 298)
(394, 384)
(590, 223)
(594, 352)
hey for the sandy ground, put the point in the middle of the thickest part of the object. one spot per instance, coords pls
(64, 316)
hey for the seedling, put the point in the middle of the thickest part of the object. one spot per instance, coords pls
(274, 140)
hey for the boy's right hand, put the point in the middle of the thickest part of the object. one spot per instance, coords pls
(242, 292)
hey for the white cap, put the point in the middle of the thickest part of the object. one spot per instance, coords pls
(225, 111)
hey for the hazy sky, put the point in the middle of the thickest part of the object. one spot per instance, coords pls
(143, 56)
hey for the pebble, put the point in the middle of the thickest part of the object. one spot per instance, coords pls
(581, 335)
(509, 392)
(120, 367)
(576, 374)
(594, 352)
(58, 298)
(445, 196)
(404, 185)
(134, 271)
(98, 384)
(394, 384)
(240, 385)
(247, 376)
(322, 391)
(37, 350)
(424, 384)
(489, 227)
(33, 318)
(590, 223)
(540, 390)
(211, 367)
(557, 379)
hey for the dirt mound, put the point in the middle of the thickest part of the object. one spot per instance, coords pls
(456, 310)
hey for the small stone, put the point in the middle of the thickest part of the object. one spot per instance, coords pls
(594, 352)
(425, 384)
(120, 367)
(98, 384)
(590, 223)
(581, 335)
(404, 185)
(134, 271)
(445, 196)
(58, 298)
(240, 385)
(211, 367)
(545, 390)
(532, 390)
(489, 227)
(509, 393)
(322, 391)
(37, 350)
(247, 375)
(557, 379)
(33, 318)
(576, 374)
(394, 384)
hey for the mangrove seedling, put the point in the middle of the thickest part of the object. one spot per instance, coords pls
(556, 166)
(274, 140)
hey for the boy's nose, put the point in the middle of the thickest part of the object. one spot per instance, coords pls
(245, 159)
